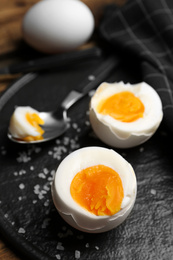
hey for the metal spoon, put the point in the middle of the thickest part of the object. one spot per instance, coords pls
(56, 122)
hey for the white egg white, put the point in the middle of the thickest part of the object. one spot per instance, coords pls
(73, 213)
(126, 134)
(19, 127)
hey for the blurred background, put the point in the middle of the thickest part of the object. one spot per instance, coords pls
(12, 47)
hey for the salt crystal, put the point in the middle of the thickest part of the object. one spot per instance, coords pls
(66, 140)
(42, 176)
(23, 157)
(45, 222)
(36, 189)
(91, 77)
(77, 254)
(57, 141)
(21, 172)
(46, 186)
(21, 231)
(37, 149)
(91, 93)
(141, 149)
(59, 246)
(46, 204)
(153, 192)
(21, 186)
(87, 123)
(74, 125)
(87, 245)
(45, 170)
(40, 196)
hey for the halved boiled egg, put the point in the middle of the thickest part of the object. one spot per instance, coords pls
(25, 124)
(94, 189)
(125, 115)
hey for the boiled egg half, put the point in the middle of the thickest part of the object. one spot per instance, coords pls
(25, 124)
(94, 189)
(125, 115)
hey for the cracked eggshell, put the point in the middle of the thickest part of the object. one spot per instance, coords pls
(74, 214)
(122, 134)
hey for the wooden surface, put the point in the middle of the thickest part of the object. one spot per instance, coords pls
(13, 49)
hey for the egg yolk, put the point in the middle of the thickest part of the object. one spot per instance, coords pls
(98, 189)
(123, 106)
(35, 121)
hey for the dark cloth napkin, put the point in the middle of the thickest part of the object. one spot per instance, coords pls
(144, 30)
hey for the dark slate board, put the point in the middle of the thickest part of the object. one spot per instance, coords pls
(28, 218)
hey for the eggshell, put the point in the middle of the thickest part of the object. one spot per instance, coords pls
(126, 134)
(74, 214)
(53, 26)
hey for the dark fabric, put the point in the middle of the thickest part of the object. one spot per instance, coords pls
(144, 30)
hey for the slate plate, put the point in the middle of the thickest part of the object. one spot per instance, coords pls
(28, 218)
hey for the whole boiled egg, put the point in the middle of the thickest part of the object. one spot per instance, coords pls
(94, 189)
(25, 124)
(53, 26)
(125, 115)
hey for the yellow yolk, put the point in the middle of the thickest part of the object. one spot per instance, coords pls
(123, 106)
(35, 121)
(98, 189)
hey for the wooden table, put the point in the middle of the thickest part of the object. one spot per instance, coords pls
(13, 49)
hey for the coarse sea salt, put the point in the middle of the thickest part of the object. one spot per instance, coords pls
(21, 186)
(59, 246)
(21, 230)
(77, 254)
(91, 77)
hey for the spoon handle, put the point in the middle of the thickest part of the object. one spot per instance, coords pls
(99, 75)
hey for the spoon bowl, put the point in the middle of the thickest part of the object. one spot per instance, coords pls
(56, 122)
